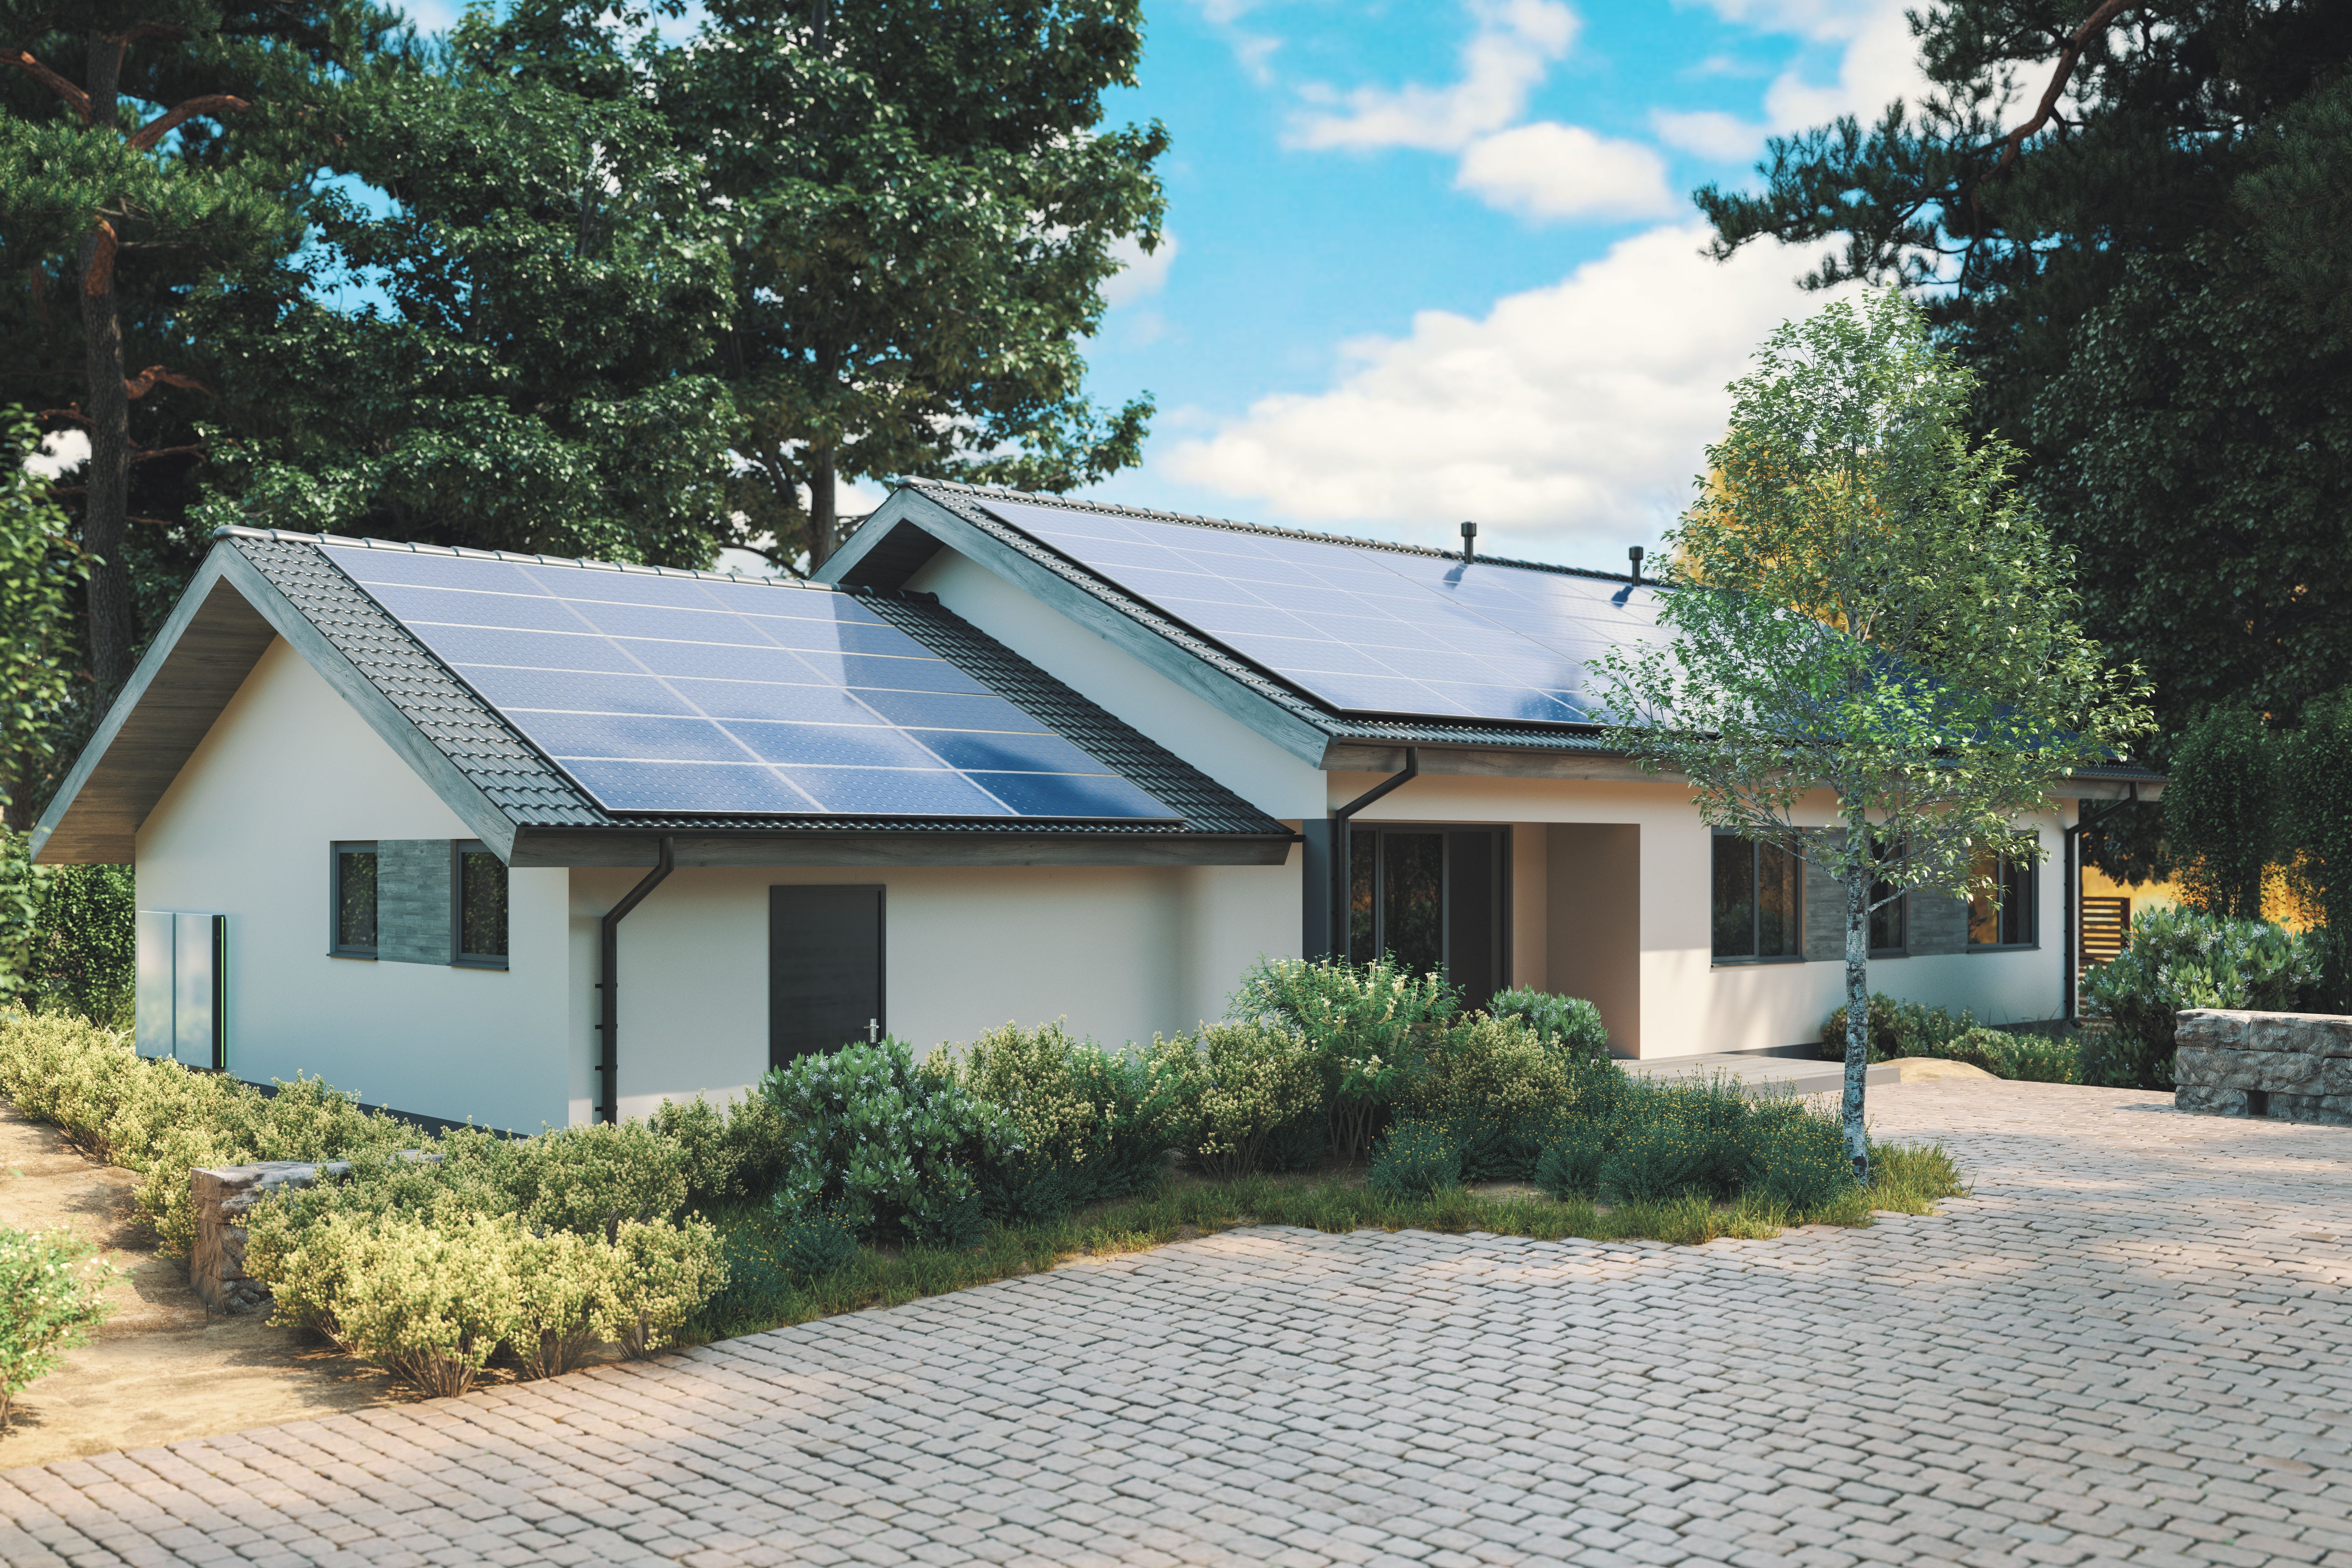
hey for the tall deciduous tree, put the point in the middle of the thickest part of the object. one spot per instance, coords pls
(123, 186)
(1862, 608)
(922, 211)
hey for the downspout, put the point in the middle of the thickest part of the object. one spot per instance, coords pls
(2074, 893)
(609, 933)
(1342, 851)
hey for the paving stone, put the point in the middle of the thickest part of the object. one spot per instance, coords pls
(2126, 1346)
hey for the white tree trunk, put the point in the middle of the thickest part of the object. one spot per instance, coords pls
(1857, 1016)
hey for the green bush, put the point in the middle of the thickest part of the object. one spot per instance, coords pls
(1656, 1160)
(1569, 1164)
(1229, 1088)
(1413, 1158)
(1800, 1154)
(1494, 1081)
(1679, 1137)
(1088, 1124)
(1367, 1027)
(1898, 1029)
(1566, 1023)
(49, 1303)
(2029, 1058)
(892, 1148)
(595, 1179)
(2179, 959)
(161, 1121)
(429, 1303)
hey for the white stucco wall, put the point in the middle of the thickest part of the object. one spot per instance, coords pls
(245, 831)
(1689, 1005)
(1121, 951)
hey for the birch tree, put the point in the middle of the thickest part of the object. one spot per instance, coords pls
(1861, 606)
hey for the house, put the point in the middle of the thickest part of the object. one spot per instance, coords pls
(402, 813)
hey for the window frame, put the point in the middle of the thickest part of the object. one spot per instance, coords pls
(336, 947)
(1901, 904)
(2029, 907)
(458, 957)
(1754, 918)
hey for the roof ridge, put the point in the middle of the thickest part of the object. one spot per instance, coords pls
(1231, 525)
(466, 552)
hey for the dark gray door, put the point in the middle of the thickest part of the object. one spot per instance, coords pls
(824, 969)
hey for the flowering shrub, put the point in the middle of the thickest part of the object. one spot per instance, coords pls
(1491, 1081)
(1230, 1088)
(1569, 1164)
(593, 1180)
(1367, 1026)
(892, 1148)
(48, 1304)
(1567, 1024)
(1413, 1158)
(734, 1151)
(1800, 1154)
(1087, 1121)
(2179, 959)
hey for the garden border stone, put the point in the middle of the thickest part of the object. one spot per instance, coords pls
(2288, 1067)
(223, 1197)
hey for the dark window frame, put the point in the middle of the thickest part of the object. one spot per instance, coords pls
(458, 957)
(1900, 906)
(1754, 918)
(2027, 909)
(1500, 895)
(336, 946)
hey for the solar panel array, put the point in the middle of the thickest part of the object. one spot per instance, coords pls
(1365, 630)
(696, 696)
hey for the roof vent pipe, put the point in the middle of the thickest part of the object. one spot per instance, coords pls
(1634, 555)
(1469, 542)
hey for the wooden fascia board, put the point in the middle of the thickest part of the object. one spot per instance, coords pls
(199, 657)
(1212, 685)
(841, 567)
(1363, 757)
(493, 826)
(1486, 762)
(577, 847)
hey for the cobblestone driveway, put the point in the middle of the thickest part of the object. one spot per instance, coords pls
(2134, 1342)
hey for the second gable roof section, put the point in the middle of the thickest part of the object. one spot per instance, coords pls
(926, 513)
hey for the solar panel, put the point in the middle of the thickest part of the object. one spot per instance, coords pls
(696, 696)
(1365, 630)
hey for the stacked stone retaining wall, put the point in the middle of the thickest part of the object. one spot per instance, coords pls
(2290, 1067)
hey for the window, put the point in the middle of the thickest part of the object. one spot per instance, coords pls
(479, 910)
(1759, 903)
(1889, 931)
(2005, 920)
(351, 932)
(1434, 899)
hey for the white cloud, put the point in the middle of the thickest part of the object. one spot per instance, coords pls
(1139, 275)
(1551, 170)
(1580, 410)
(1514, 45)
(61, 452)
(1709, 132)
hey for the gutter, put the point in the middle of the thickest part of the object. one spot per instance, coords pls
(1342, 852)
(608, 1092)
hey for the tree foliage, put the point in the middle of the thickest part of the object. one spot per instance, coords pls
(535, 281)
(1863, 606)
(2221, 810)
(922, 212)
(148, 148)
(2133, 220)
(40, 569)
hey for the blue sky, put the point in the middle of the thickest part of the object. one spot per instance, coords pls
(1437, 260)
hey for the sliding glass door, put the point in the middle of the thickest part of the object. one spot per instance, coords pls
(1432, 896)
